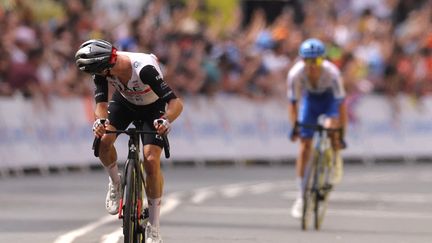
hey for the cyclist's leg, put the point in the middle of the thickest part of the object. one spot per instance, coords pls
(119, 117)
(152, 150)
(334, 121)
(154, 181)
(302, 160)
(301, 163)
(108, 155)
(306, 116)
(154, 190)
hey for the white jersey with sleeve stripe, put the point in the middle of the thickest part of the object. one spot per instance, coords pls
(330, 78)
(137, 91)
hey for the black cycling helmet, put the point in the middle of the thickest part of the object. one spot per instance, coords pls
(94, 56)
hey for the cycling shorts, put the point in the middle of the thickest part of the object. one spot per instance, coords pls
(314, 105)
(121, 113)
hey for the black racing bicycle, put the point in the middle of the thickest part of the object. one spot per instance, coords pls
(317, 177)
(131, 209)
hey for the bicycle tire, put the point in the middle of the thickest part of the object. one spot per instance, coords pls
(320, 210)
(322, 191)
(130, 227)
(308, 194)
(144, 217)
(141, 210)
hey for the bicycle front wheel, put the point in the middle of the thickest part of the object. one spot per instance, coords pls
(308, 194)
(131, 230)
(322, 191)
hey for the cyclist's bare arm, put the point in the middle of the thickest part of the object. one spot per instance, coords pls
(174, 108)
(101, 110)
(293, 95)
(292, 111)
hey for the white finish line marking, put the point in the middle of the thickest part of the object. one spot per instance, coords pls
(202, 195)
(72, 235)
(170, 204)
(372, 196)
(335, 212)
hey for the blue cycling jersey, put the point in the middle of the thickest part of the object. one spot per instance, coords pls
(324, 98)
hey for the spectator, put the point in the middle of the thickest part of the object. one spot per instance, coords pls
(207, 59)
(5, 88)
(22, 77)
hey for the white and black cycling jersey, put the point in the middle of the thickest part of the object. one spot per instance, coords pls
(298, 83)
(145, 86)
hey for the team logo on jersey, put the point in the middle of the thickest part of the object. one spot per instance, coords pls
(163, 85)
(136, 64)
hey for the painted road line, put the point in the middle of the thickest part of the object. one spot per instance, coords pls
(261, 188)
(232, 190)
(202, 195)
(372, 197)
(334, 212)
(170, 203)
(72, 235)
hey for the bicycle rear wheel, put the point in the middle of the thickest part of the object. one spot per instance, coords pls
(308, 194)
(131, 229)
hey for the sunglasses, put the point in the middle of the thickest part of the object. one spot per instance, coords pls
(313, 61)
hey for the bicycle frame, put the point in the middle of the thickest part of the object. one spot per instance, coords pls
(131, 202)
(316, 180)
(133, 183)
(133, 159)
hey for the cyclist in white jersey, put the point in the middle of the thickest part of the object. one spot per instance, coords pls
(315, 87)
(140, 94)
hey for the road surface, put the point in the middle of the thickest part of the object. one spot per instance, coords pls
(373, 204)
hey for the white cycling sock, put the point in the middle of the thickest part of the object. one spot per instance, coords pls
(154, 211)
(114, 173)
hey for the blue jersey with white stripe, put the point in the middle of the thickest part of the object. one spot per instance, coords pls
(323, 98)
(299, 84)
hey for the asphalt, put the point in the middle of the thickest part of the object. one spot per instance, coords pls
(379, 202)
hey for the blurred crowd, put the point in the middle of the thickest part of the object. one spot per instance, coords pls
(208, 47)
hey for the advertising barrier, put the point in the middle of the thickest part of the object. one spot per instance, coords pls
(219, 128)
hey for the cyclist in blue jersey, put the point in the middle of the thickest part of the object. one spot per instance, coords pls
(315, 88)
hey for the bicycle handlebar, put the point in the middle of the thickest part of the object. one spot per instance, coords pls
(131, 132)
(318, 127)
